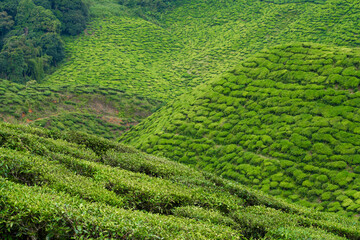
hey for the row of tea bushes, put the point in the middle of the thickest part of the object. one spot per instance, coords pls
(195, 41)
(98, 110)
(277, 122)
(75, 185)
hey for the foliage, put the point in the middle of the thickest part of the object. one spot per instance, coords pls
(36, 18)
(72, 13)
(6, 23)
(281, 132)
(74, 185)
(284, 121)
(25, 25)
(102, 111)
(195, 41)
(153, 5)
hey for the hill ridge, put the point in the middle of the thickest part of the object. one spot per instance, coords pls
(294, 104)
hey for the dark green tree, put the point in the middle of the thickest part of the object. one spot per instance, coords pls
(12, 65)
(9, 6)
(72, 13)
(22, 60)
(52, 46)
(36, 18)
(30, 38)
(6, 23)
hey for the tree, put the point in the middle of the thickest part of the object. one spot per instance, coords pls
(22, 59)
(30, 35)
(74, 22)
(6, 23)
(73, 14)
(44, 3)
(12, 65)
(36, 18)
(52, 46)
(9, 6)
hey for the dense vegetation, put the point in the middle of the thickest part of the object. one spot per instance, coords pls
(63, 185)
(115, 53)
(166, 53)
(285, 121)
(30, 40)
(149, 5)
(177, 48)
(97, 110)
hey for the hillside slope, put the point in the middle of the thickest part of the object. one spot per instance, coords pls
(175, 50)
(285, 121)
(103, 111)
(63, 185)
(127, 53)
(139, 63)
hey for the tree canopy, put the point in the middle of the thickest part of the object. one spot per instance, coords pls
(30, 35)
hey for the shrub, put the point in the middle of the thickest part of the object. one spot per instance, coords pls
(322, 148)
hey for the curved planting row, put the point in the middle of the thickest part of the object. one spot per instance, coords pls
(285, 121)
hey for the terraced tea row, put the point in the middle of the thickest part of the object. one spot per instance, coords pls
(285, 121)
(103, 111)
(196, 41)
(129, 54)
(74, 185)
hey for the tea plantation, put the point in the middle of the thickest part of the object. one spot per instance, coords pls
(71, 185)
(271, 148)
(129, 54)
(162, 54)
(98, 110)
(285, 121)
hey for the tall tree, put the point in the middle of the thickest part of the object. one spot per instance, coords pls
(52, 46)
(36, 18)
(6, 23)
(73, 14)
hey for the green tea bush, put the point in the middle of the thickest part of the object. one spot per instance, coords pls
(56, 214)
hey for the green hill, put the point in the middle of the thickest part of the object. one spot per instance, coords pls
(282, 124)
(166, 53)
(149, 57)
(285, 121)
(70, 185)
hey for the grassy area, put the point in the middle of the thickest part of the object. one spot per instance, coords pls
(285, 121)
(74, 185)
